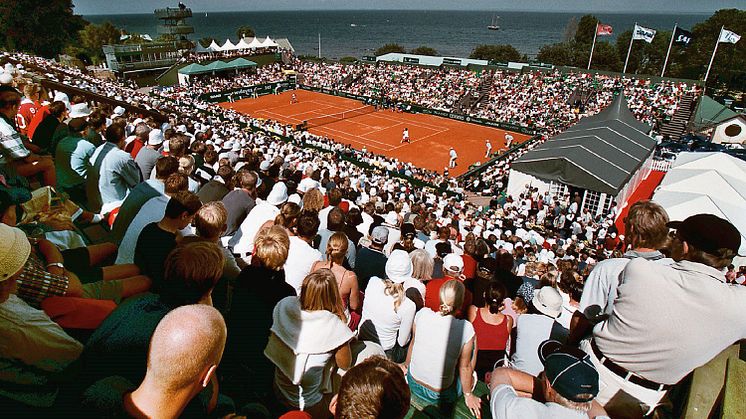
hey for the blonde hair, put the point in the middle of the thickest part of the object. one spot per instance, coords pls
(422, 265)
(320, 292)
(451, 297)
(336, 248)
(394, 290)
(313, 200)
(271, 247)
(210, 220)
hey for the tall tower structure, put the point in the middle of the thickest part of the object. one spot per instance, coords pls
(173, 22)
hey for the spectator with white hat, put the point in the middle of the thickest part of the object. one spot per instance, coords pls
(388, 314)
(453, 268)
(148, 155)
(536, 326)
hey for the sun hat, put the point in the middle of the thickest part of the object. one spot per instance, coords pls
(392, 218)
(548, 301)
(119, 111)
(380, 235)
(399, 266)
(708, 233)
(155, 137)
(453, 263)
(264, 165)
(569, 370)
(278, 195)
(14, 251)
(79, 110)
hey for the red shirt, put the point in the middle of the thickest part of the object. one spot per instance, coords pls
(36, 120)
(432, 297)
(26, 113)
(134, 147)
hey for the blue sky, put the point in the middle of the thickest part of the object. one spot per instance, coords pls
(86, 7)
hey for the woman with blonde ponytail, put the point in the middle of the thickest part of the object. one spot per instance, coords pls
(442, 354)
(387, 313)
(336, 249)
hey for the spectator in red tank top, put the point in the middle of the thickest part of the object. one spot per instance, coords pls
(491, 327)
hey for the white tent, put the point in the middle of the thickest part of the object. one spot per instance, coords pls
(242, 44)
(214, 46)
(269, 43)
(228, 45)
(711, 183)
(255, 43)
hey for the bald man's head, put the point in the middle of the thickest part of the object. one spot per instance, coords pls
(185, 346)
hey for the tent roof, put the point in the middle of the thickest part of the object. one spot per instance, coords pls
(255, 43)
(217, 66)
(194, 68)
(719, 162)
(242, 44)
(241, 63)
(269, 43)
(228, 45)
(199, 48)
(600, 153)
(711, 112)
(284, 43)
(214, 46)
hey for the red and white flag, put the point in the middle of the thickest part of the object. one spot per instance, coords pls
(603, 30)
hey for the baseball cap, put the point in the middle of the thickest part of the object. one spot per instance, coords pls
(453, 263)
(548, 301)
(380, 235)
(708, 233)
(399, 266)
(569, 370)
(14, 251)
(408, 231)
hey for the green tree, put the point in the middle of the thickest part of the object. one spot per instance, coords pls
(568, 34)
(605, 57)
(585, 30)
(730, 61)
(245, 31)
(644, 58)
(499, 53)
(562, 53)
(389, 48)
(43, 27)
(94, 37)
(424, 50)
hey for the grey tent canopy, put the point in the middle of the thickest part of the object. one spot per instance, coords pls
(600, 153)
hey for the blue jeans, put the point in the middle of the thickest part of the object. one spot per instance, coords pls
(448, 395)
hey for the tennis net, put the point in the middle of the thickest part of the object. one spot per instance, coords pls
(331, 118)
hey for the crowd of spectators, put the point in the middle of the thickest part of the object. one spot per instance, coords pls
(244, 274)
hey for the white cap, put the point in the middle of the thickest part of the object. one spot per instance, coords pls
(79, 110)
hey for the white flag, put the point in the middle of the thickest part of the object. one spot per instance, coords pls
(728, 36)
(641, 32)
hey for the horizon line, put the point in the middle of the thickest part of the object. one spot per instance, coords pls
(655, 12)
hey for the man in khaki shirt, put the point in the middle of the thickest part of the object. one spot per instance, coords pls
(669, 320)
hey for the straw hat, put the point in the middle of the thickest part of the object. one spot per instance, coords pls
(14, 251)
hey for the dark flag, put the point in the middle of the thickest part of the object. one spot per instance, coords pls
(682, 37)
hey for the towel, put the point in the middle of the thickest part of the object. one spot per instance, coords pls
(296, 334)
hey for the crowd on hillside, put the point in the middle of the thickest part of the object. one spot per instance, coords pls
(240, 274)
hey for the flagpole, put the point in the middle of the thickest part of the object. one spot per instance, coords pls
(665, 63)
(319, 44)
(631, 40)
(709, 67)
(593, 46)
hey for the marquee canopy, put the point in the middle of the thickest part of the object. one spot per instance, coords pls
(600, 153)
(242, 44)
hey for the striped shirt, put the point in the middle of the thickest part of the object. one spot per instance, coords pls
(11, 144)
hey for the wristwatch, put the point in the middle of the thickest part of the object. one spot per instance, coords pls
(56, 264)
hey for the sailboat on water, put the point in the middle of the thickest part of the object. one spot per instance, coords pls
(494, 26)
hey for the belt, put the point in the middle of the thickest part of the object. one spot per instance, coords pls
(624, 374)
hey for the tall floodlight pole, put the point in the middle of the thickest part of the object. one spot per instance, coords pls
(670, 44)
(319, 44)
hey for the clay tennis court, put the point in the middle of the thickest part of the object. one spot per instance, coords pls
(381, 131)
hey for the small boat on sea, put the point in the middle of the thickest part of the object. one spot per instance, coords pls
(494, 26)
(352, 25)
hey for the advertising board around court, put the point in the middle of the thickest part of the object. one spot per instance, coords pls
(244, 92)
